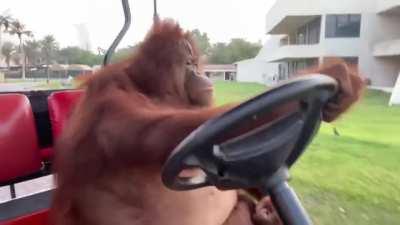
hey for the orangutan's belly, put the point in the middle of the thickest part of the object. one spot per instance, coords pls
(144, 200)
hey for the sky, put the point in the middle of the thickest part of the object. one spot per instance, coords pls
(99, 21)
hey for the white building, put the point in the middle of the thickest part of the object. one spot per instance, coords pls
(216, 72)
(363, 32)
(259, 69)
(305, 32)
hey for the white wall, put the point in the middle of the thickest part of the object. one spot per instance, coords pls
(270, 46)
(259, 71)
(375, 29)
(384, 71)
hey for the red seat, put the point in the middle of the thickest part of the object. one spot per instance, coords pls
(60, 106)
(36, 218)
(47, 154)
(19, 150)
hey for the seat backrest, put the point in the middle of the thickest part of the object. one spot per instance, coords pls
(19, 150)
(61, 104)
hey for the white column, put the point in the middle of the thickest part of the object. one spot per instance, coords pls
(395, 98)
(322, 37)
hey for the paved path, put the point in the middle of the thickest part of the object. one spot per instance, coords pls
(9, 87)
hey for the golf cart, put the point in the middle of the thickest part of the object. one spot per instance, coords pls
(260, 158)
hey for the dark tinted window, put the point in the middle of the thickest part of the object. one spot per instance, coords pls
(301, 36)
(343, 25)
(351, 60)
(314, 31)
(309, 33)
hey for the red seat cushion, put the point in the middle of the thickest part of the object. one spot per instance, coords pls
(19, 150)
(60, 106)
(36, 218)
(47, 154)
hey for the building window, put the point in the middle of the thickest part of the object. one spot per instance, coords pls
(301, 36)
(309, 33)
(284, 41)
(229, 76)
(314, 31)
(343, 25)
(306, 64)
(290, 68)
(283, 73)
(350, 61)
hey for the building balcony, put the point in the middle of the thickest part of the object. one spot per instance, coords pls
(389, 7)
(291, 24)
(296, 12)
(336, 47)
(387, 48)
(288, 15)
(295, 52)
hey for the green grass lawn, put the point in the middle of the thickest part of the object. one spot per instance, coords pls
(353, 178)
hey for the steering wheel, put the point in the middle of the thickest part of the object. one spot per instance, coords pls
(261, 157)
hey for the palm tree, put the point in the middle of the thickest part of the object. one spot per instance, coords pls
(5, 21)
(16, 59)
(18, 28)
(49, 48)
(32, 51)
(7, 50)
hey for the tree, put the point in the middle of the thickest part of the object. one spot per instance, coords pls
(241, 49)
(16, 59)
(219, 54)
(238, 49)
(18, 28)
(68, 55)
(7, 51)
(76, 55)
(32, 51)
(202, 41)
(49, 48)
(5, 21)
(123, 53)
